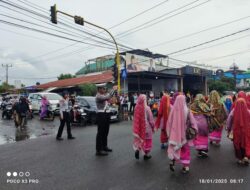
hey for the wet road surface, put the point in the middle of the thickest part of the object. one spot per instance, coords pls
(35, 128)
(72, 165)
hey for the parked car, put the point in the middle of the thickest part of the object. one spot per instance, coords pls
(88, 104)
(35, 100)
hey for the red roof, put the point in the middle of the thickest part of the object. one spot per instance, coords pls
(93, 79)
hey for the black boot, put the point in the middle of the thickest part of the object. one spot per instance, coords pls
(107, 149)
(147, 157)
(137, 154)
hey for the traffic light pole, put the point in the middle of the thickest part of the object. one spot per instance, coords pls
(117, 49)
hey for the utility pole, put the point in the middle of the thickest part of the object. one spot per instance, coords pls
(235, 69)
(6, 66)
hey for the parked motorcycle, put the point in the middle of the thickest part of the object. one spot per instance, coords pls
(78, 116)
(7, 111)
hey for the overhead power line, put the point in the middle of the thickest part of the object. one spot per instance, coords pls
(69, 34)
(67, 25)
(201, 31)
(225, 56)
(148, 23)
(33, 37)
(56, 26)
(219, 44)
(139, 14)
(51, 34)
(210, 41)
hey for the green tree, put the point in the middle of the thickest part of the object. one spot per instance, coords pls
(222, 85)
(230, 82)
(65, 76)
(5, 87)
(87, 89)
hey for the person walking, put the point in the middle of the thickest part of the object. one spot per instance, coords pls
(201, 111)
(219, 112)
(238, 124)
(162, 118)
(64, 117)
(143, 128)
(179, 120)
(103, 119)
(132, 103)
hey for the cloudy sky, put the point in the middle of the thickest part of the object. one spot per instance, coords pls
(168, 27)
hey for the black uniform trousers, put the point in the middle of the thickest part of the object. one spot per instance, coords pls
(103, 120)
(66, 119)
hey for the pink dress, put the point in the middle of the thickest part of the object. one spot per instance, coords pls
(201, 140)
(179, 146)
(149, 130)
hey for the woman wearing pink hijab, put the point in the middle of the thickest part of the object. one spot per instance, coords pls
(179, 146)
(143, 128)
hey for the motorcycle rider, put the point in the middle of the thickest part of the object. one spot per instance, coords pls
(44, 107)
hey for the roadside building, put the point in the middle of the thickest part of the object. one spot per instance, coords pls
(145, 71)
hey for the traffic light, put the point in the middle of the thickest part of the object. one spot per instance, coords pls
(79, 20)
(53, 14)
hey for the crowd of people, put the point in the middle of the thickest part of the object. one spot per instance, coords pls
(186, 122)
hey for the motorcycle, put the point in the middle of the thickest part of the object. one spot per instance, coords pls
(50, 115)
(7, 111)
(78, 116)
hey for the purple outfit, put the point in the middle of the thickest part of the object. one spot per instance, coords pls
(201, 140)
(44, 108)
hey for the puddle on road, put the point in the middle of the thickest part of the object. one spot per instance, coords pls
(34, 129)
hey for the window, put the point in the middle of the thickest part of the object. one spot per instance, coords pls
(35, 96)
(83, 102)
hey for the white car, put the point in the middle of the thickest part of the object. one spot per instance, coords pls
(35, 100)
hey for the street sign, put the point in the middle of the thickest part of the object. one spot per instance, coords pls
(124, 73)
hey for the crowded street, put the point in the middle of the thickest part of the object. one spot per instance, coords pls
(73, 165)
(124, 95)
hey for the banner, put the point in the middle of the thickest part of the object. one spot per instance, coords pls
(135, 63)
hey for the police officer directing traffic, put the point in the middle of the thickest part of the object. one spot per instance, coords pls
(64, 117)
(103, 119)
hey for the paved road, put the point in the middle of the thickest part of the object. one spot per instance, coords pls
(72, 165)
(35, 128)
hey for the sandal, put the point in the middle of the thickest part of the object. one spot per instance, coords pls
(171, 165)
(245, 161)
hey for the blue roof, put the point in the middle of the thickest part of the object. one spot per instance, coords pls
(238, 76)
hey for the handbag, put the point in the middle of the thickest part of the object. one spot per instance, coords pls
(231, 135)
(190, 131)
